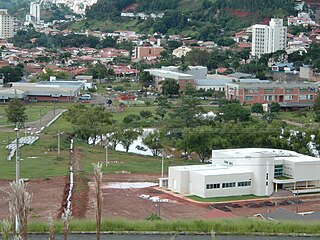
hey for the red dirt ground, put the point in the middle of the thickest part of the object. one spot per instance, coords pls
(126, 203)
(239, 13)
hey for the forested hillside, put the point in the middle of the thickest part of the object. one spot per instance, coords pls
(15, 7)
(205, 19)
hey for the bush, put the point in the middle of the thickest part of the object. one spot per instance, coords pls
(153, 217)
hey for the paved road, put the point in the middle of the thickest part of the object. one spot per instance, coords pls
(44, 120)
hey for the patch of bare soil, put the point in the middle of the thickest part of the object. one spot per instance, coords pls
(46, 198)
(128, 203)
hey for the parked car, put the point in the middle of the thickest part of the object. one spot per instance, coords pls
(85, 96)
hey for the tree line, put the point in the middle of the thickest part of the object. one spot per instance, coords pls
(186, 127)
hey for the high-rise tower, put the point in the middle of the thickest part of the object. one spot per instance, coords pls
(6, 24)
(268, 39)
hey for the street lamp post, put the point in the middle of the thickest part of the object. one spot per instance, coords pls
(17, 154)
(17, 170)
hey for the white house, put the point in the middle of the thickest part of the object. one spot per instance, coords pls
(257, 171)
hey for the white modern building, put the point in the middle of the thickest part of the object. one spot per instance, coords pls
(34, 14)
(257, 171)
(6, 24)
(268, 39)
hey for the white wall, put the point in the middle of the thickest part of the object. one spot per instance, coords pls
(228, 178)
(301, 168)
(179, 180)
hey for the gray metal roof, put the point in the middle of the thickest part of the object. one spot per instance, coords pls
(296, 104)
(212, 82)
(276, 84)
(33, 89)
(63, 84)
(169, 74)
(239, 75)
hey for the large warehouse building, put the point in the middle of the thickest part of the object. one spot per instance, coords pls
(257, 171)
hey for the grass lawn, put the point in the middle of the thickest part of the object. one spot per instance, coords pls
(33, 110)
(295, 117)
(223, 199)
(238, 226)
(41, 160)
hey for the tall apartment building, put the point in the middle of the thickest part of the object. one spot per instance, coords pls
(6, 24)
(268, 39)
(35, 12)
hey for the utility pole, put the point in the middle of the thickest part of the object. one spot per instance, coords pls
(59, 142)
(17, 170)
(162, 163)
(107, 143)
(40, 119)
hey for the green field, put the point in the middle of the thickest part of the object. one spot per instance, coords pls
(33, 111)
(42, 161)
(239, 226)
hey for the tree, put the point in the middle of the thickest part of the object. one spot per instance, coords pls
(316, 109)
(170, 87)
(131, 118)
(12, 74)
(198, 57)
(89, 121)
(199, 140)
(98, 71)
(115, 136)
(274, 107)
(146, 79)
(16, 112)
(163, 106)
(128, 136)
(48, 72)
(187, 113)
(189, 89)
(153, 142)
(257, 108)
(234, 112)
(146, 114)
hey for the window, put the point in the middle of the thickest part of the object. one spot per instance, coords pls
(309, 97)
(268, 90)
(267, 183)
(244, 184)
(228, 185)
(267, 97)
(288, 97)
(248, 98)
(213, 186)
(278, 170)
(267, 176)
(303, 89)
(289, 90)
(302, 97)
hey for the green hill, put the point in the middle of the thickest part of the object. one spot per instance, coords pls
(17, 8)
(204, 19)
